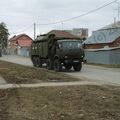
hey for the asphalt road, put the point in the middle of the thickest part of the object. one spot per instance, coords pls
(89, 72)
(97, 73)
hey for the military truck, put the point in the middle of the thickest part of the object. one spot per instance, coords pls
(0, 50)
(57, 53)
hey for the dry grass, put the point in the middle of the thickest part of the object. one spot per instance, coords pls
(61, 103)
(14, 73)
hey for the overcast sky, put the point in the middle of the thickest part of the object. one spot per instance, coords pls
(20, 15)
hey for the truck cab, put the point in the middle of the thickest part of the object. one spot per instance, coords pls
(69, 53)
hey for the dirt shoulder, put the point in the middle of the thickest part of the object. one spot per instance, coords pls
(61, 103)
(15, 73)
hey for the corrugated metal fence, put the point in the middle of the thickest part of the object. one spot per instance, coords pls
(103, 56)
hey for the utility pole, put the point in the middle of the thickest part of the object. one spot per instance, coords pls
(62, 25)
(34, 31)
(114, 21)
(118, 8)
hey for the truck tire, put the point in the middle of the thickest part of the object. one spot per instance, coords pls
(0, 54)
(39, 62)
(57, 65)
(34, 61)
(50, 65)
(77, 66)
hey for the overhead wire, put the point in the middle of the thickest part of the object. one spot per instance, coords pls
(84, 14)
(22, 30)
(69, 19)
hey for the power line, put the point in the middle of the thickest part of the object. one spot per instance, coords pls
(69, 19)
(23, 30)
(84, 14)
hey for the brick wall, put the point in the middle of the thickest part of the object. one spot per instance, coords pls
(102, 45)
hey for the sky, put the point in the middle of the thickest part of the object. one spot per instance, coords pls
(20, 15)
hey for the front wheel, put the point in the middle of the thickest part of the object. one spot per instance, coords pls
(0, 54)
(34, 61)
(39, 62)
(57, 65)
(77, 66)
(50, 64)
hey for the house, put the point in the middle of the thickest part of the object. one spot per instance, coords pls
(63, 34)
(19, 45)
(103, 46)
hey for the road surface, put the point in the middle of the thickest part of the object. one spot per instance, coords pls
(89, 72)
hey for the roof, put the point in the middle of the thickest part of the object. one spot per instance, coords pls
(112, 25)
(16, 37)
(63, 34)
(104, 36)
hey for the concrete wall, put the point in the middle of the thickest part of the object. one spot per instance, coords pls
(103, 56)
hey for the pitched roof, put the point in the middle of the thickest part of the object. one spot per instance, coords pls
(22, 42)
(62, 34)
(112, 25)
(14, 38)
(107, 35)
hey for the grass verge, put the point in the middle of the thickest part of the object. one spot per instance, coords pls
(14, 73)
(61, 103)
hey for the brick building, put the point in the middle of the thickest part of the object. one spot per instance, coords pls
(19, 45)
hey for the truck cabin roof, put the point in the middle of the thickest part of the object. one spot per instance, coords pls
(45, 37)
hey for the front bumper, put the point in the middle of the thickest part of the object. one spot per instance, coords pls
(71, 61)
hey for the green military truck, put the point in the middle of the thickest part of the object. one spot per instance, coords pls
(57, 53)
(0, 50)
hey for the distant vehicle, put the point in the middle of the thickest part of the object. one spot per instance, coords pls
(0, 50)
(57, 52)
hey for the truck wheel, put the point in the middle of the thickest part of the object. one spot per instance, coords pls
(39, 62)
(57, 65)
(77, 66)
(0, 54)
(49, 64)
(68, 66)
(34, 61)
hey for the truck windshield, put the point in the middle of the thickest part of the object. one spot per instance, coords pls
(71, 44)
